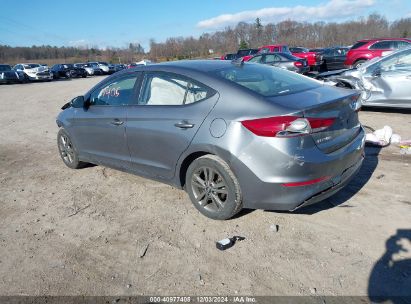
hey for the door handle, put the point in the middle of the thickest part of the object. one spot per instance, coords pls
(184, 125)
(117, 122)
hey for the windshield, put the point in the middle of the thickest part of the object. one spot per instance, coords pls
(358, 45)
(4, 68)
(266, 80)
(31, 66)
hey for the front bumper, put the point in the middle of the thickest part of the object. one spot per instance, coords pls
(340, 166)
(40, 77)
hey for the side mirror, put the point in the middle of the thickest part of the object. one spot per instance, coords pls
(78, 102)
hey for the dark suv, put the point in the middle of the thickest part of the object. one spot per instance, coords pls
(368, 49)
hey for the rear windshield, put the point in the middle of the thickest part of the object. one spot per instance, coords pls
(266, 80)
(289, 56)
(358, 44)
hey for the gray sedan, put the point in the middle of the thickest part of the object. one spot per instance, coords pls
(285, 61)
(233, 135)
(383, 81)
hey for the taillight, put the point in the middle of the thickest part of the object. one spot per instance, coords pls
(287, 126)
(298, 64)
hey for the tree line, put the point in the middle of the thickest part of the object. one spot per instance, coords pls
(229, 40)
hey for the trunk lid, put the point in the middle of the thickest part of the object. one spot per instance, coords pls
(327, 102)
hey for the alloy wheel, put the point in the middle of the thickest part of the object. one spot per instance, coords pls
(66, 149)
(209, 189)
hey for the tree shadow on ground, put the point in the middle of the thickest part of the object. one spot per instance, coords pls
(390, 278)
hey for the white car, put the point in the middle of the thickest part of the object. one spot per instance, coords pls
(33, 71)
(101, 65)
(89, 69)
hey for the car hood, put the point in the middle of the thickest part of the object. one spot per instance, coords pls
(37, 70)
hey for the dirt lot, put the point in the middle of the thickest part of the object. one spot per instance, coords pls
(82, 232)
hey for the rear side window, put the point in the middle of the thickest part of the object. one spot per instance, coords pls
(382, 45)
(359, 44)
(117, 93)
(266, 80)
(402, 44)
(272, 58)
(255, 59)
(172, 90)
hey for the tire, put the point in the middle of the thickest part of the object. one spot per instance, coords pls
(67, 151)
(213, 188)
(67, 75)
(358, 63)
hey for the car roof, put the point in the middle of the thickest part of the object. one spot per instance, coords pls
(196, 65)
(377, 39)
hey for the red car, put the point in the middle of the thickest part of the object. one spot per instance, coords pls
(368, 49)
(305, 53)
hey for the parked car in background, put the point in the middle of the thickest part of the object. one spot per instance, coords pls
(229, 56)
(383, 81)
(113, 68)
(33, 72)
(368, 49)
(273, 48)
(89, 69)
(96, 68)
(66, 70)
(282, 60)
(143, 62)
(7, 75)
(297, 142)
(246, 54)
(119, 67)
(305, 53)
(103, 66)
(332, 58)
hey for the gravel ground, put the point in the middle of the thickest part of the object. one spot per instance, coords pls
(97, 231)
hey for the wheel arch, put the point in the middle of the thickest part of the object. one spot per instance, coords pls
(186, 163)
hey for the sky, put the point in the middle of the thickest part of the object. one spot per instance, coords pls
(116, 23)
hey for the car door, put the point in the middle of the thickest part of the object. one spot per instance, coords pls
(170, 110)
(99, 130)
(340, 54)
(389, 81)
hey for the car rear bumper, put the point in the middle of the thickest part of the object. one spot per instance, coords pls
(338, 167)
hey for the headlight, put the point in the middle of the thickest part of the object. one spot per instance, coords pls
(1, 75)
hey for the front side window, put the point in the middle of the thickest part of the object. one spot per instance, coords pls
(171, 89)
(116, 93)
(382, 45)
(399, 62)
(255, 59)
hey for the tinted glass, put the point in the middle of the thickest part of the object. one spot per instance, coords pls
(359, 44)
(266, 80)
(171, 89)
(255, 59)
(242, 53)
(382, 45)
(272, 58)
(288, 56)
(116, 93)
(4, 68)
(402, 44)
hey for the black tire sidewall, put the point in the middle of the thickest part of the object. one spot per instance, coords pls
(231, 205)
